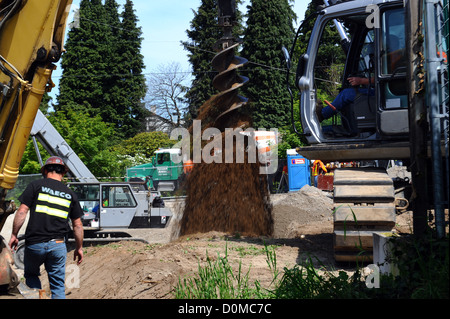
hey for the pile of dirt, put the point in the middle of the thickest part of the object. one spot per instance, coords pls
(134, 270)
(303, 227)
(307, 211)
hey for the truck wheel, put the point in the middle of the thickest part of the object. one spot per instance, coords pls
(19, 255)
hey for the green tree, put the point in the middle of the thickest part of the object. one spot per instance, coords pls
(328, 66)
(330, 58)
(140, 148)
(112, 17)
(85, 64)
(102, 68)
(112, 88)
(203, 34)
(305, 32)
(30, 162)
(46, 103)
(90, 138)
(269, 28)
(130, 85)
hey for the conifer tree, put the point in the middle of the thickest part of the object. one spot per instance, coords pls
(269, 28)
(203, 34)
(330, 57)
(84, 64)
(112, 91)
(131, 80)
(102, 68)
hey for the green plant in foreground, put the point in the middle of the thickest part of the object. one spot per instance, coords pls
(217, 280)
(423, 267)
(306, 282)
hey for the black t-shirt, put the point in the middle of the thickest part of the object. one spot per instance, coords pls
(51, 203)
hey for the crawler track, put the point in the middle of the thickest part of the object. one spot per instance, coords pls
(364, 203)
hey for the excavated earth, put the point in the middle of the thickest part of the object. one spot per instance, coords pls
(302, 228)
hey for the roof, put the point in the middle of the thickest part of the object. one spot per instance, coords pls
(168, 150)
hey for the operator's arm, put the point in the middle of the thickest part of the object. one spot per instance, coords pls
(19, 219)
(78, 233)
(355, 81)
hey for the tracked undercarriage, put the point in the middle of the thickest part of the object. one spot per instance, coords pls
(364, 203)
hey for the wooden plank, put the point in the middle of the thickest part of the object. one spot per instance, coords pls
(379, 213)
(363, 204)
(353, 240)
(361, 176)
(367, 194)
(353, 257)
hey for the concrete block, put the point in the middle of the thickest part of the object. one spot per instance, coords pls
(382, 250)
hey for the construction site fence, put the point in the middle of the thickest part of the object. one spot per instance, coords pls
(24, 179)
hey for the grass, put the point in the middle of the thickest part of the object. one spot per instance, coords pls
(423, 273)
(307, 282)
(217, 280)
(423, 268)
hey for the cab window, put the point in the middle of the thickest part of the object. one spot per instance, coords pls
(393, 59)
(117, 196)
(163, 157)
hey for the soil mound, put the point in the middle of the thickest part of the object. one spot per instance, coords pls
(307, 211)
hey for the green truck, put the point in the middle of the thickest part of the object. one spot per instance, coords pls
(162, 173)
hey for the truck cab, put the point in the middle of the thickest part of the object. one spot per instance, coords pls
(120, 205)
(163, 172)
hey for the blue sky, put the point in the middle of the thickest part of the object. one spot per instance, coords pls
(164, 24)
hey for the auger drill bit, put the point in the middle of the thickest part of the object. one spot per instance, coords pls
(227, 82)
(212, 188)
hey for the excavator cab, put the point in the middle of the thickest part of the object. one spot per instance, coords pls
(371, 45)
(399, 48)
(354, 106)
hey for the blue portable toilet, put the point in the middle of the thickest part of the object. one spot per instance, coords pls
(298, 172)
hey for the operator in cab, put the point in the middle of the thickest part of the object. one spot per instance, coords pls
(344, 98)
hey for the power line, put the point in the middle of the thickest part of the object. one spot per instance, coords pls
(164, 73)
(182, 72)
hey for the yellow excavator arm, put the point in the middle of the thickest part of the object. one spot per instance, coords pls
(31, 41)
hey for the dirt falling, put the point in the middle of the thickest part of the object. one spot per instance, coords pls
(226, 197)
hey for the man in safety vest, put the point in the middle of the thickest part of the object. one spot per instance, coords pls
(317, 168)
(50, 204)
